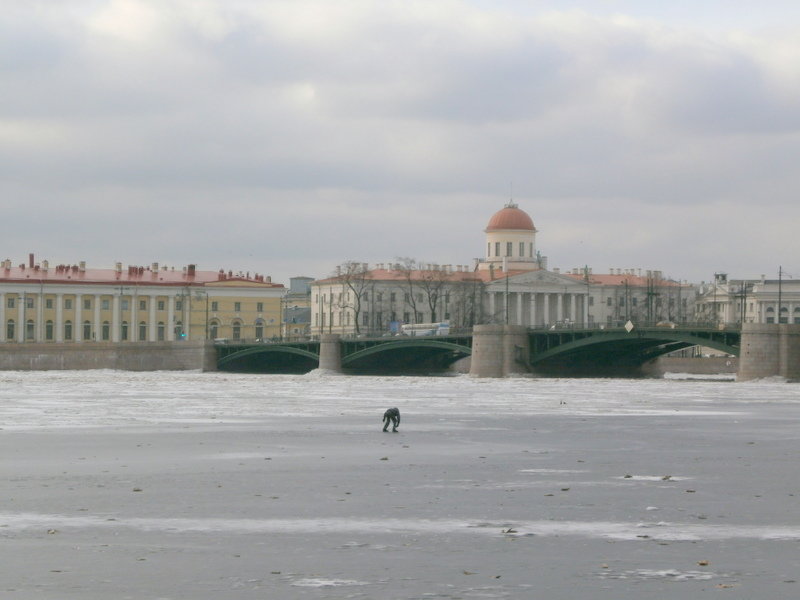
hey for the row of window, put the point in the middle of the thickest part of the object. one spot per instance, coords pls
(379, 297)
(510, 249)
(344, 318)
(105, 304)
(105, 330)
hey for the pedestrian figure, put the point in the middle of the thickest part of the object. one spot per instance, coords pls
(391, 416)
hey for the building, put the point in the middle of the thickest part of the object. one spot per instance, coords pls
(511, 284)
(749, 300)
(74, 304)
(296, 313)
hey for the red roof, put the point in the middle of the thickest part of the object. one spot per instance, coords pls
(510, 217)
(71, 274)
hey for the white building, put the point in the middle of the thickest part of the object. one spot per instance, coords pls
(510, 285)
(749, 300)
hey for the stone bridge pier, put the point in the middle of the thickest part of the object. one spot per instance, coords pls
(769, 349)
(499, 350)
(330, 352)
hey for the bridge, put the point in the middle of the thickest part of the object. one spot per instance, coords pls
(574, 351)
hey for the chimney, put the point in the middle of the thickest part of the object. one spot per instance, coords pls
(118, 267)
(154, 267)
(82, 266)
(30, 260)
(45, 265)
(192, 269)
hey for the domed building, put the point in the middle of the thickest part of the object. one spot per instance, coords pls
(511, 241)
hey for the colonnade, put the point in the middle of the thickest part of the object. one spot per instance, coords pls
(538, 309)
(30, 324)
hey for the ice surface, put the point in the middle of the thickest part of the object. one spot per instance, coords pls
(212, 485)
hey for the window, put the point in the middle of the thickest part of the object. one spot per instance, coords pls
(87, 330)
(215, 306)
(380, 297)
(259, 307)
(378, 318)
(406, 317)
(530, 249)
(10, 303)
(237, 307)
(213, 330)
(622, 301)
(522, 248)
(489, 249)
(48, 303)
(591, 300)
(106, 331)
(237, 330)
(124, 331)
(365, 297)
(509, 247)
(142, 304)
(48, 330)
(365, 319)
(160, 305)
(125, 305)
(29, 330)
(420, 318)
(259, 329)
(161, 331)
(497, 248)
(609, 301)
(634, 301)
(68, 303)
(29, 302)
(105, 304)
(392, 296)
(10, 329)
(179, 330)
(87, 304)
(406, 297)
(68, 331)
(179, 305)
(142, 331)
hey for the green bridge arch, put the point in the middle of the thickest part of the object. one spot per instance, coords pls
(458, 350)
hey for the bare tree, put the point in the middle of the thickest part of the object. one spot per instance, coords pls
(355, 278)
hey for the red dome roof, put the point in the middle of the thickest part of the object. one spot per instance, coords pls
(510, 217)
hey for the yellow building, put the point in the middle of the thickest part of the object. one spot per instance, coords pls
(73, 304)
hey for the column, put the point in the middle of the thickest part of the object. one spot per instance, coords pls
(151, 335)
(586, 310)
(533, 309)
(491, 306)
(116, 321)
(2, 317)
(59, 317)
(559, 307)
(171, 318)
(519, 308)
(38, 332)
(133, 328)
(573, 312)
(546, 309)
(21, 318)
(77, 330)
(97, 332)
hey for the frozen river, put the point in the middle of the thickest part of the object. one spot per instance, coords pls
(211, 485)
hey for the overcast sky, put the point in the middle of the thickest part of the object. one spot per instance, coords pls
(285, 137)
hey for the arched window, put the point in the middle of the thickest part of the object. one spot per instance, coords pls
(237, 330)
(68, 331)
(10, 330)
(161, 331)
(179, 330)
(259, 329)
(142, 331)
(48, 330)
(106, 331)
(30, 330)
(124, 331)
(87, 330)
(213, 329)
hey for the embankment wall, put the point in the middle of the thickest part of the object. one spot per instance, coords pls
(133, 356)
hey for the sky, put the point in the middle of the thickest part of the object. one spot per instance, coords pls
(286, 137)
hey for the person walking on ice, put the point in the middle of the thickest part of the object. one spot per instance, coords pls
(391, 416)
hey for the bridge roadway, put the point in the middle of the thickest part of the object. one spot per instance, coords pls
(566, 351)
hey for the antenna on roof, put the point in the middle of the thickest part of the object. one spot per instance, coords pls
(511, 203)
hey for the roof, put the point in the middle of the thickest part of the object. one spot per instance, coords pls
(132, 275)
(621, 280)
(510, 217)
(380, 275)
